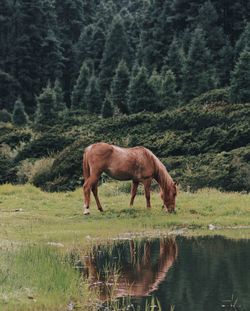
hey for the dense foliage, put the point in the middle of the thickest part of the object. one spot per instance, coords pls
(72, 41)
(171, 75)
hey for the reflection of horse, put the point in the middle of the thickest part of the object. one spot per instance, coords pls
(137, 164)
(137, 277)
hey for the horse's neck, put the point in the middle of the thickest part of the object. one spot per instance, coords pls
(162, 177)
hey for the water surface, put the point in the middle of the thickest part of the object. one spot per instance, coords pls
(191, 274)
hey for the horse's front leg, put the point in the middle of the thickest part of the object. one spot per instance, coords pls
(133, 192)
(147, 185)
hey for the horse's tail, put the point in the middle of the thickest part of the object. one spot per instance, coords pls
(86, 168)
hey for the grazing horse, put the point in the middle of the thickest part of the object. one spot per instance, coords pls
(137, 164)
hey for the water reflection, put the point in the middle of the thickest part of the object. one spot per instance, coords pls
(130, 268)
(193, 274)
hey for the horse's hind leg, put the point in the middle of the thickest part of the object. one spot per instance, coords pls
(133, 192)
(147, 184)
(88, 184)
(95, 193)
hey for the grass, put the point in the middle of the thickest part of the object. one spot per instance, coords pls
(38, 230)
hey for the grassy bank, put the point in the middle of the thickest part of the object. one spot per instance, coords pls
(39, 230)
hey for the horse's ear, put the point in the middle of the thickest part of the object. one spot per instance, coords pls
(176, 183)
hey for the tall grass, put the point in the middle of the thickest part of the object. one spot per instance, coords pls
(38, 274)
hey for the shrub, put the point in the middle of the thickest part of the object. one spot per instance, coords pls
(7, 170)
(66, 171)
(41, 171)
(5, 116)
(43, 146)
(37, 172)
(214, 96)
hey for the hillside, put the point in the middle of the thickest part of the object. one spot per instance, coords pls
(201, 144)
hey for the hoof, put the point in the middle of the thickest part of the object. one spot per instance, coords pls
(86, 212)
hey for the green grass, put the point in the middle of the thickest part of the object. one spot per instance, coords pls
(36, 276)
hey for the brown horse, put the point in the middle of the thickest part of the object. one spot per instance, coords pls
(137, 164)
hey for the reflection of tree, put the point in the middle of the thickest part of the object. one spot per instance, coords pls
(142, 267)
(208, 271)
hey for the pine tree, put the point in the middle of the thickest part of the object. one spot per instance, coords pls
(155, 81)
(92, 96)
(71, 18)
(244, 41)
(119, 87)
(19, 116)
(116, 48)
(175, 61)
(156, 34)
(77, 97)
(51, 49)
(198, 73)
(29, 33)
(240, 81)
(169, 95)
(60, 105)
(225, 63)
(46, 103)
(141, 95)
(107, 108)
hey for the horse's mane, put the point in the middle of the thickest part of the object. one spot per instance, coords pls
(161, 174)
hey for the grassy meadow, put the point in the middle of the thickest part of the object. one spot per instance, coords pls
(40, 231)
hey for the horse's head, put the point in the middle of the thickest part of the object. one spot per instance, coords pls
(168, 196)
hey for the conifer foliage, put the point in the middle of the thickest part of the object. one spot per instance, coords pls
(19, 116)
(72, 40)
(240, 82)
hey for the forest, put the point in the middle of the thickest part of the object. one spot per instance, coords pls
(172, 75)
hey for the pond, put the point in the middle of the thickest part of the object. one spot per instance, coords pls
(182, 274)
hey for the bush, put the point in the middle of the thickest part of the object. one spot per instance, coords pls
(5, 116)
(43, 146)
(37, 172)
(41, 171)
(66, 171)
(214, 96)
(15, 137)
(7, 170)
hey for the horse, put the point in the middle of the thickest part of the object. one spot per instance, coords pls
(138, 164)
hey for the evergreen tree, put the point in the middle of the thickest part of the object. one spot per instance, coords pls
(155, 81)
(93, 97)
(77, 97)
(60, 105)
(244, 41)
(51, 49)
(46, 103)
(208, 22)
(91, 44)
(70, 21)
(240, 81)
(116, 48)
(29, 33)
(141, 95)
(168, 91)
(175, 61)
(119, 87)
(199, 73)
(156, 34)
(19, 116)
(225, 63)
(107, 108)
(9, 87)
